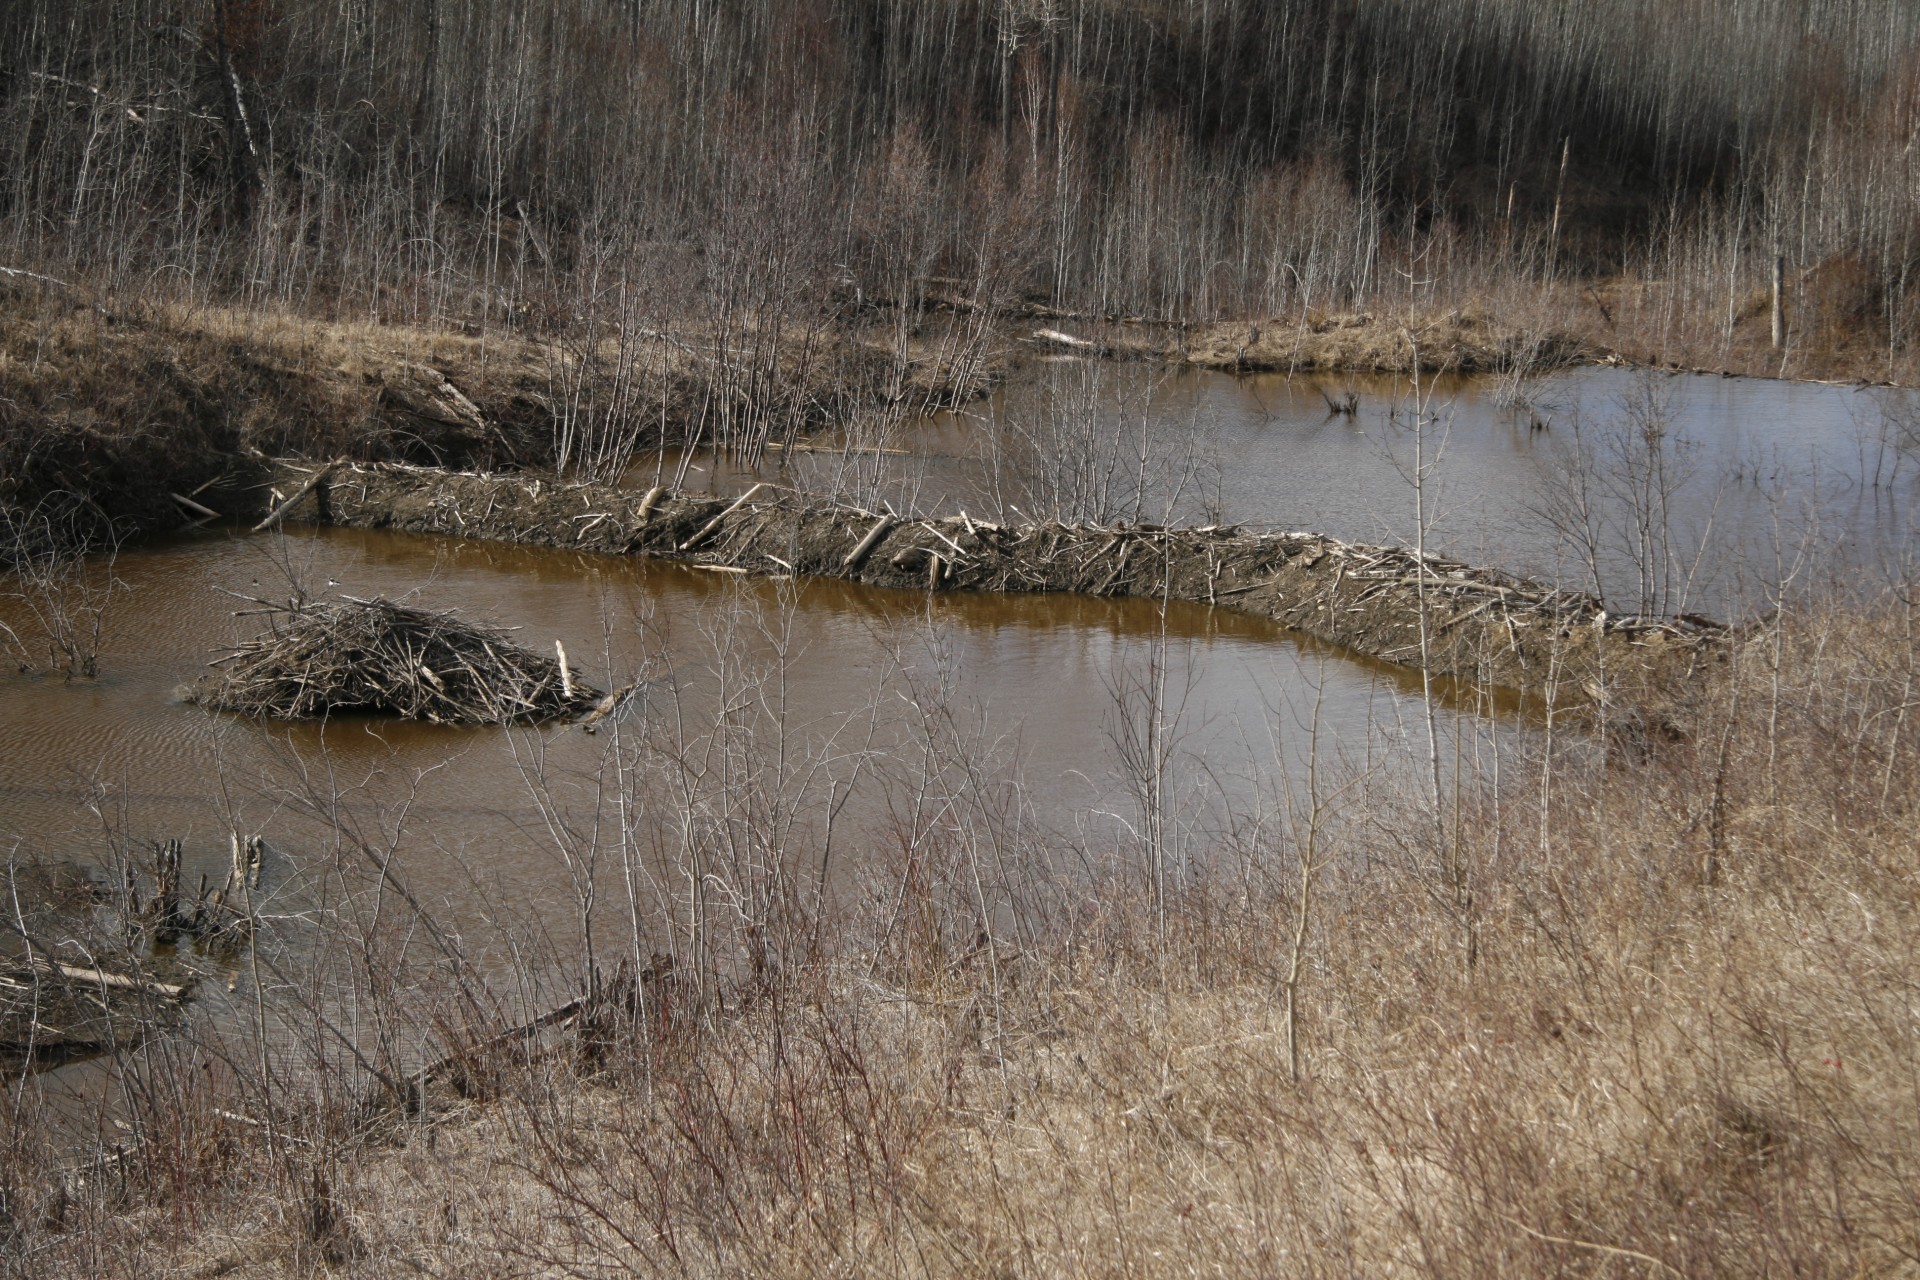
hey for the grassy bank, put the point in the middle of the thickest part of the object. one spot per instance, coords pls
(115, 405)
(1585, 1012)
(115, 408)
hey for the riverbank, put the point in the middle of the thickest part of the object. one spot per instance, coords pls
(1517, 334)
(143, 417)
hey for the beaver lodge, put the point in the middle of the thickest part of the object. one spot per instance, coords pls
(376, 657)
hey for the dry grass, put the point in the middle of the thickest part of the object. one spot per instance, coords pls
(1671, 1031)
(1527, 327)
(1458, 340)
(123, 404)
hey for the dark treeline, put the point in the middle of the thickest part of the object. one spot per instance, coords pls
(492, 161)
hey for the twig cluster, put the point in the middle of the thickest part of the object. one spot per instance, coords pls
(378, 657)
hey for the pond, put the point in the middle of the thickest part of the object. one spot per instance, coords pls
(816, 733)
(1660, 492)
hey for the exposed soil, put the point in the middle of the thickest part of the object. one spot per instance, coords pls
(118, 411)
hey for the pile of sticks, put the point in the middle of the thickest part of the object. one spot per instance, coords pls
(381, 658)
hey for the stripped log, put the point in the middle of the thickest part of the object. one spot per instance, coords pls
(700, 535)
(109, 979)
(645, 513)
(867, 544)
(200, 509)
(278, 513)
(1055, 338)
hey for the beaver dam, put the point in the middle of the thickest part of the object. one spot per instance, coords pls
(1484, 625)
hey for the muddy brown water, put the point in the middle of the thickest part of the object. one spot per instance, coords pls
(1038, 690)
(1039, 674)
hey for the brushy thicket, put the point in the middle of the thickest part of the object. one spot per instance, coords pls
(1621, 1014)
(507, 162)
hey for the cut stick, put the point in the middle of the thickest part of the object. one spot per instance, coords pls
(197, 508)
(701, 534)
(928, 526)
(313, 482)
(859, 553)
(566, 676)
(647, 503)
(1119, 568)
(118, 982)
